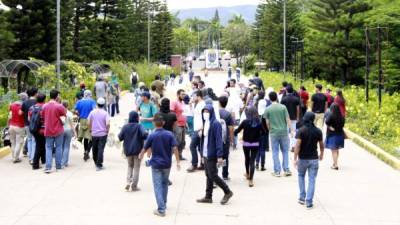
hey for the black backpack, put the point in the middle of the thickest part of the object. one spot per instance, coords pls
(35, 123)
(134, 79)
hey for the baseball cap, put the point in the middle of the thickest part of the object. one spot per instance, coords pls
(145, 94)
(101, 101)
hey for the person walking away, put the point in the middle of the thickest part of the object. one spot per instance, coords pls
(262, 105)
(238, 71)
(169, 117)
(147, 111)
(306, 158)
(191, 75)
(101, 88)
(188, 113)
(160, 87)
(69, 133)
(335, 133)
(258, 82)
(83, 108)
(154, 96)
(179, 130)
(229, 71)
(172, 76)
(304, 97)
(212, 151)
(36, 127)
(133, 135)
(99, 124)
(227, 138)
(160, 145)
(197, 127)
(319, 105)
(26, 105)
(53, 129)
(180, 78)
(292, 103)
(117, 96)
(82, 88)
(111, 99)
(329, 97)
(138, 94)
(278, 122)
(134, 78)
(17, 127)
(252, 132)
(341, 102)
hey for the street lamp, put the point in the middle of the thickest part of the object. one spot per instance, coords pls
(58, 45)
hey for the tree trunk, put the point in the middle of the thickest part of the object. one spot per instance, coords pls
(77, 27)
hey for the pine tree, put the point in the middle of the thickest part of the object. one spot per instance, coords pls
(6, 37)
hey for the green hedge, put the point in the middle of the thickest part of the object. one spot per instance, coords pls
(378, 126)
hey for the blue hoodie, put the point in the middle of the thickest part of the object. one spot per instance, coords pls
(214, 145)
(133, 135)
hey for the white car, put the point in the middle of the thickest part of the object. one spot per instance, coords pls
(202, 58)
(227, 57)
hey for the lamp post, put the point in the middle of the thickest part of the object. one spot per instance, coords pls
(284, 36)
(58, 45)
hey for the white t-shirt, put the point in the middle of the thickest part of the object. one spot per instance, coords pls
(187, 110)
(197, 119)
(262, 105)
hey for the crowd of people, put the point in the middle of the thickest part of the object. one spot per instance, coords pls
(283, 121)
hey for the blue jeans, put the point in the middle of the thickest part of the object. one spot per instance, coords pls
(310, 166)
(66, 146)
(264, 146)
(31, 144)
(160, 184)
(195, 148)
(280, 143)
(51, 143)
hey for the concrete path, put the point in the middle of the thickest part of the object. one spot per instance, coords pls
(364, 192)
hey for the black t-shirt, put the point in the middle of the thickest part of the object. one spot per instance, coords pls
(227, 117)
(319, 101)
(170, 119)
(336, 123)
(310, 136)
(291, 102)
(26, 105)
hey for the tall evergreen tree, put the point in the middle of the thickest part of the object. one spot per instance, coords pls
(6, 37)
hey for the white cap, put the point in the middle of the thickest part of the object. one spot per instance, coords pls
(101, 101)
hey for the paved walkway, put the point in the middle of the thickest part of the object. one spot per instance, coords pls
(364, 191)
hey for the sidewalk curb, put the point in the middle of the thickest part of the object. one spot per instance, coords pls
(4, 151)
(373, 149)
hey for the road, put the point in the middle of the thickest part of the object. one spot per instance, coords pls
(364, 191)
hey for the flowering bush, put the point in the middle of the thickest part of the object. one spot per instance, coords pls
(380, 126)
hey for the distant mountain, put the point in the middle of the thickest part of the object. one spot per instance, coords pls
(225, 13)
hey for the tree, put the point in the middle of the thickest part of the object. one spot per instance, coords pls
(6, 37)
(184, 40)
(33, 24)
(162, 33)
(236, 37)
(335, 27)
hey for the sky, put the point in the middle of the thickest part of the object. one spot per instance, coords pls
(186, 4)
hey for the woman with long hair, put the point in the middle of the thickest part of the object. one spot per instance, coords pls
(251, 140)
(334, 133)
(341, 102)
(262, 105)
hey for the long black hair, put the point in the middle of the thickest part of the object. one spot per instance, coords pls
(252, 116)
(336, 114)
(339, 93)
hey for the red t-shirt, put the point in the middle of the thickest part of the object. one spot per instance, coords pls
(16, 119)
(177, 107)
(53, 126)
(304, 97)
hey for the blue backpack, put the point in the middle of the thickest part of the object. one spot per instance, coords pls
(35, 123)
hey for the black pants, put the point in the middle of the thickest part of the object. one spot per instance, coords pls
(210, 167)
(250, 154)
(40, 151)
(87, 145)
(99, 143)
(117, 104)
(225, 169)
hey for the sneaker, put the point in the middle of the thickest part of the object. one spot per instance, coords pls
(310, 206)
(251, 183)
(226, 198)
(201, 167)
(158, 213)
(263, 168)
(191, 169)
(17, 161)
(301, 202)
(335, 167)
(134, 188)
(127, 187)
(257, 167)
(47, 171)
(86, 157)
(204, 200)
(98, 168)
(276, 174)
(287, 174)
(226, 179)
